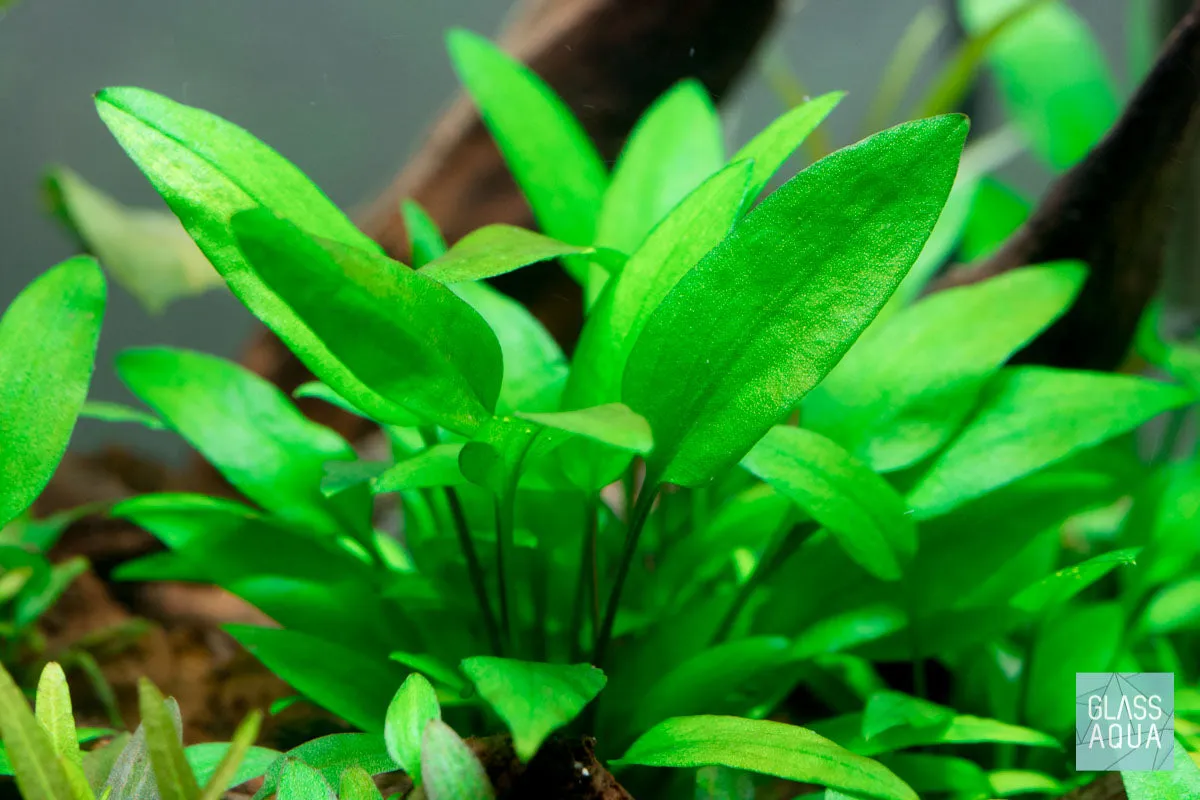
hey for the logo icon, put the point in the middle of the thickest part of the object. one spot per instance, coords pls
(1124, 721)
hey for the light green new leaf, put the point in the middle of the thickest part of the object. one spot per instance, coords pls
(299, 781)
(208, 169)
(1020, 428)
(47, 350)
(495, 250)
(331, 755)
(53, 710)
(172, 773)
(672, 149)
(779, 140)
(769, 748)
(351, 684)
(226, 772)
(1060, 587)
(887, 710)
(39, 773)
(767, 314)
(147, 251)
(1183, 780)
(249, 430)
(532, 698)
(425, 239)
(862, 511)
(116, 412)
(436, 466)
(404, 335)
(451, 770)
(206, 758)
(1051, 74)
(414, 706)
(907, 386)
(1019, 782)
(528, 121)
(356, 784)
(612, 424)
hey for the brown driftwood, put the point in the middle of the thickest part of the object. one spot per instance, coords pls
(1113, 210)
(1107, 787)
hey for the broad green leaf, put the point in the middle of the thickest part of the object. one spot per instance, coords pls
(299, 781)
(47, 349)
(146, 250)
(424, 237)
(933, 773)
(867, 517)
(495, 250)
(437, 466)
(1019, 782)
(413, 707)
(528, 121)
(887, 710)
(172, 774)
(115, 412)
(208, 169)
(227, 771)
(692, 229)
(728, 332)
(532, 698)
(535, 368)
(1019, 429)
(771, 148)
(1079, 638)
(249, 430)
(404, 335)
(846, 730)
(612, 424)
(1181, 781)
(331, 755)
(351, 684)
(997, 210)
(770, 748)
(30, 751)
(1060, 587)
(356, 784)
(204, 760)
(908, 385)
(53, 710)
(450, 769)
(671, 150)
(1175, 607)
(1052, 76)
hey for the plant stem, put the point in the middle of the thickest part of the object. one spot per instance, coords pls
(585, 587)
(474, 569)
(637, 521)
(504, 538)
(784, 545)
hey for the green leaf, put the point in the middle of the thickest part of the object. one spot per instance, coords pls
(349, 683)
(532, 698)
(451, 770)
(206, 758)
(425, 239)
(227, 772)
(249, 430)
(413, 707)
(146, 250)
(997, 211)
(404, 335)
(908, 385)
(39, 773)
(32, 604)
(1019, 429)
(962, 729)
(208, 170)
(356, 784)
(1018, 782)
(865, 515)
(933, 773)
(115, 412)
(671, 150)
(437, 466)
(528, 121)
(172, 773)
(612, 424)
(299, 781)
(98, 763)
(771, 148)
(495, 250)
(331, 755)
(769, 748)
(1079, 638)
(887, 710)
(1052, 76)
(47, 349)
(728, 332)
(131, 776)
(53, 710)
(1060, 587)
(1181, 781)
(1175, 607)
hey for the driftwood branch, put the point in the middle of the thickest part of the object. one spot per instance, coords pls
(1114, 211)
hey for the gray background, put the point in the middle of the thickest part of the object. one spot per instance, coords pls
(344, 88)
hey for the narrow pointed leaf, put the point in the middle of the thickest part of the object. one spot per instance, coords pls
(115, 412)
(39, 773)
(613, 424)
(1055, 589)
(770, 149)
(53, 710)
(206, 758)
(48, 341)
(741, 333)
(495, 250)
(414, 706)
(424, 237)
(172, 773)
(451, 770)
(227, 770)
